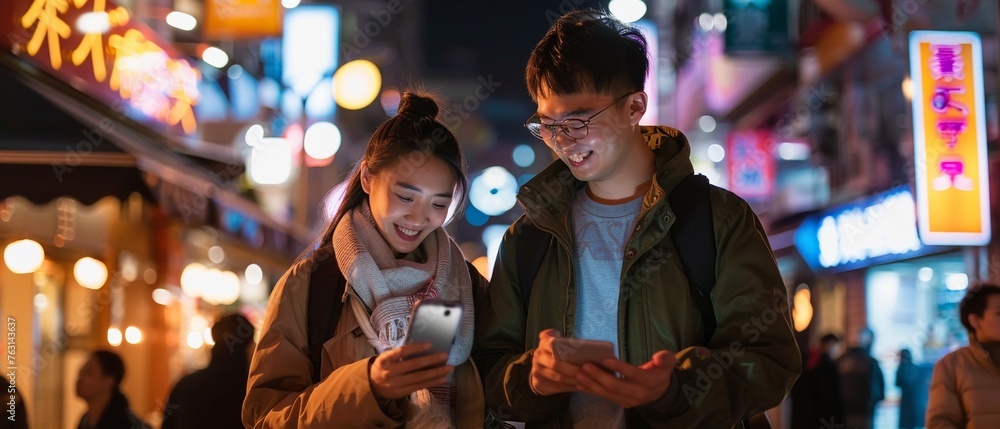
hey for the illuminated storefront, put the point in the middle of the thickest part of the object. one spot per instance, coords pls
(870, 268)
(97, 167)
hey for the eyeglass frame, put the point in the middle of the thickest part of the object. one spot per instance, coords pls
(561, 125)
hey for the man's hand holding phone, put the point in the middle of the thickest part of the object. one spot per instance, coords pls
(634, 385)
(553, 371)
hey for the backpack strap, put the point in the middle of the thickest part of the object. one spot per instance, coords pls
(694, 238)
(326, 288)
(531, 247)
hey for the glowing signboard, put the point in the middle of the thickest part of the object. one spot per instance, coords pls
(94, 45)
(750, 163)
(949, 136)
(875, 230)
(236, 19)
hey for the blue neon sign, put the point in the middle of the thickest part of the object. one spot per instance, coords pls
(872, 231)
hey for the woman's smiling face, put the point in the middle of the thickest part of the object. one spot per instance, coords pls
(410, 200)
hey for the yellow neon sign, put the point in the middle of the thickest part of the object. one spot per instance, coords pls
(45, 13)
(142, 71)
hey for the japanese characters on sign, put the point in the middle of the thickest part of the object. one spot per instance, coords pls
(952, 181)
(79, 41)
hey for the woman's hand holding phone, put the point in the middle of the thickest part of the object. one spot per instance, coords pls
(401, 371)
(420, 362)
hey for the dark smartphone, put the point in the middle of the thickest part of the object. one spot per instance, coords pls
(435, 322)
(578, 351)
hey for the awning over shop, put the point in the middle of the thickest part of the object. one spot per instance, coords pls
(68, 144)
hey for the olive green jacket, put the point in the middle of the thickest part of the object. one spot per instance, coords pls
(752, 360)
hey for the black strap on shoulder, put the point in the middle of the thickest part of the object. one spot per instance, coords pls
(694, 237)
(326, 288)
(531, 247)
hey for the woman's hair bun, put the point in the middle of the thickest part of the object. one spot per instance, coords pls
(415, 104)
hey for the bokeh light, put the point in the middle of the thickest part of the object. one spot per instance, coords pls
(181, 21)
(163, 297)
(271, 161)
(524, 155)
(322, 140)
(475, 217)
(627, 10)
(216, 254)
(23, 256)
(716, 152)
(390, 101)
(215, 57)
(356, 84)
(707, 123)
(133, 335)
(253, 274)
(90, 273)
(115, 337)
(494, 191)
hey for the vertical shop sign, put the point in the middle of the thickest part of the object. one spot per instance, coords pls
(949, 136)
(751, 163)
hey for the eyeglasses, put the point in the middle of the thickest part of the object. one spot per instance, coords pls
(574, 128)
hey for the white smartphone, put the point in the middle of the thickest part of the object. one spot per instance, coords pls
(435, 322)
(579, 352)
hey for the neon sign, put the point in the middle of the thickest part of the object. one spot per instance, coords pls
(874, 230)
(146, 74)
(949, 136)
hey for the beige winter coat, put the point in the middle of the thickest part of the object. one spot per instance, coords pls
(964, 391)
(280, 391)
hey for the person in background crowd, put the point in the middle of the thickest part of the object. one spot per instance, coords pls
(99, 384)
(388, 244)
(611, 271)
(862, 382)
(816, 396)
(913, 381)
(212, 397)
(19, 418)
(966, 382)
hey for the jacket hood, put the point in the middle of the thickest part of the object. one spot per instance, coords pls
(542, 195)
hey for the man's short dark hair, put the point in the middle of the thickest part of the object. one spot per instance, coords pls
(111, 365)
(974, 302)
(588, 50)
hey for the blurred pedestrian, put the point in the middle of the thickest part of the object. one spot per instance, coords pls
(212, 397)
(385, 249)
(99, 384)
(966, 382)
(912, 380)
(816, 396)
(862, 382)
(16, 415)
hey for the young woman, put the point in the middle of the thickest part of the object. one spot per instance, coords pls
(389, 246)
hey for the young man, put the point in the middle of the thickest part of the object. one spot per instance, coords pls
(612, 272)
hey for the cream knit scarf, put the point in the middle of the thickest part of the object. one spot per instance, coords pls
(389, 286)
